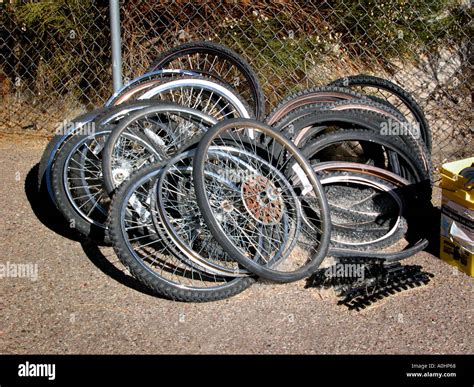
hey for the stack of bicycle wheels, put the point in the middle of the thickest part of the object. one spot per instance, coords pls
(200, 193)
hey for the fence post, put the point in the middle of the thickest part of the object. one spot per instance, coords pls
(116, 44)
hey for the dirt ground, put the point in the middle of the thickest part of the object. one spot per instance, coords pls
(84, 302)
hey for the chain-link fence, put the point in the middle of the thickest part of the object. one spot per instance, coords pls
(55, 56)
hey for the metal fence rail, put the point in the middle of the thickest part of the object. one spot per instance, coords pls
(55, 58)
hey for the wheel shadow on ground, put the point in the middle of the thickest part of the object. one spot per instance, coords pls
(44, 210)
(95, 255)
(47, 213)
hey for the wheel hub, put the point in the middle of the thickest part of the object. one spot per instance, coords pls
(120, 174)
(263, 200)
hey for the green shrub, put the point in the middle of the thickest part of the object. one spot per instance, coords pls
(61, 46)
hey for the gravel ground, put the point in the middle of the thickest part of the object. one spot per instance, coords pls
(83, 301)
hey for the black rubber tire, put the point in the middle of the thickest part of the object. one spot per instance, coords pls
(370, 120)
(403, 95)
(111, 115)
(45, 163)
(258, 103)
(387, 256)
(86, 228)
(343, 105)
(151, 279)
(214, 226)
(422, 177)
(374, 105)
(314, 95)
(54, 145)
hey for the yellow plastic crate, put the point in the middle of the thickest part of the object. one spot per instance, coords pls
(455, 187)
(457, 217)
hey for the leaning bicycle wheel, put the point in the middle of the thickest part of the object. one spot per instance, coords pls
(175, 201)
(211, 97)
(87, 122)
(397, 96)
(150, 134)
(81, 123)
(218, 62)
(77, 184)
(139, 85)
(274, 219)
(140, 242)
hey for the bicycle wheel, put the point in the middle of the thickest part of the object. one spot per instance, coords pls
(154, 261)
(50, 152)
(179, 213)
(275, 220)
(78, 174)
(219, 62)
(211, 97)
(144, 82)
(77, 183)
(86, 122)
(166, 128)
(414, 205)
(394, 94)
